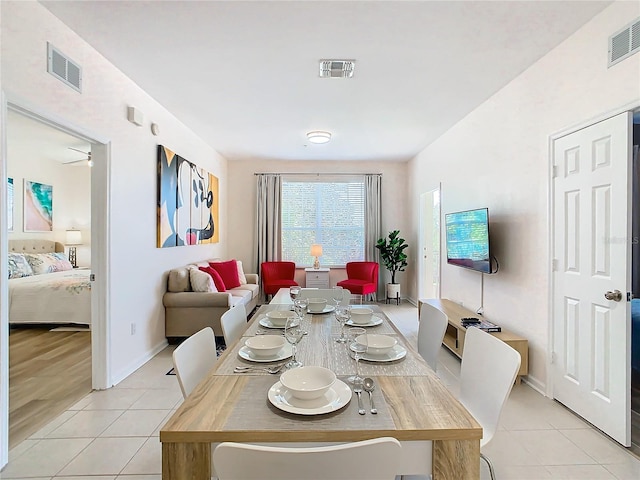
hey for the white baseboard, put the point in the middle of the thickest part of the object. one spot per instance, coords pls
(536, 384)
(135, 365)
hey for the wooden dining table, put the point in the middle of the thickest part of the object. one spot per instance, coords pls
(414, 406)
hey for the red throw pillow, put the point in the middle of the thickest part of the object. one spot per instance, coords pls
(217, 279)
(228, 271)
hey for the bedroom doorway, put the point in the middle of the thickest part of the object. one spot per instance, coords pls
(49, 344)
(96, 259)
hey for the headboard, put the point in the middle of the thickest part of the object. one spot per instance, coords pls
(35, 246)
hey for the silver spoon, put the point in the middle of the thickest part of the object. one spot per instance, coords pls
(369, 387)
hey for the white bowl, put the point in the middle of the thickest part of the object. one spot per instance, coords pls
(317, 304)
(361, 316)
(279, 317)
(308, 383)
(263, 346)
(377, 344)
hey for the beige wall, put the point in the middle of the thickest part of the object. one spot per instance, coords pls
(242, 201)
(498, 157)
(137, 268)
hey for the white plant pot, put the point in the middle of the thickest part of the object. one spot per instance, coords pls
(393, 290)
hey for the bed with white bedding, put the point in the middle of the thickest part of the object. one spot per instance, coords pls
(44, 288)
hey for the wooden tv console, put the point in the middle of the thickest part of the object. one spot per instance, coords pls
(454, 335)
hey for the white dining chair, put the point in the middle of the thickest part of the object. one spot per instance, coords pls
(489, 368)
(431, 327)
(326, 293)
(376, 459)
(193, 358)
(234, 322)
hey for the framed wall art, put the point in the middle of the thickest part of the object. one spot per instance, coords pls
(187, 202)
(10, 204)
(38, 207)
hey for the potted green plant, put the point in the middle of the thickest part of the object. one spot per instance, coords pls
(394, 259)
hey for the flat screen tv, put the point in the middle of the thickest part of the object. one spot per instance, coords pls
(467, 239)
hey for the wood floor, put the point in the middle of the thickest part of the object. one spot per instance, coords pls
(48, 373)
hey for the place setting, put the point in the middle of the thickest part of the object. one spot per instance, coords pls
(318, 306)
(265, 349)
(376, 348)
(363, 317)
(276, 319)
(307, 390)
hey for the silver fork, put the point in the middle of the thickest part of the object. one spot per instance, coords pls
(272, 369)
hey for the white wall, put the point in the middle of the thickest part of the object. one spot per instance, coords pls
(497, 157)
(137, 267)
(242, 203)
(71, 195)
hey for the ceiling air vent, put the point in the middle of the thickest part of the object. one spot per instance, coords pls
(624, 43)
(63, 68)
(337, 68)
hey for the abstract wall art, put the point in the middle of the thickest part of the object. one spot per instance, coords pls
(187, 202)
(38, 207)
(10, 204)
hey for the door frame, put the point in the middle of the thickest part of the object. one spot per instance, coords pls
(423, 242)
(100, 252)
(550, 212)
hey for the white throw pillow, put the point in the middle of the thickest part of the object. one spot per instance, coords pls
(241, 275)
(201, 281)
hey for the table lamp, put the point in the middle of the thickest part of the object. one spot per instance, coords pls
(74, 237)
(316, 251)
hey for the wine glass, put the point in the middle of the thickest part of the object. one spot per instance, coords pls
(338, 295)
(293, 333)
(343, 314)
(300, 306)
(294, 292)
(358, 349)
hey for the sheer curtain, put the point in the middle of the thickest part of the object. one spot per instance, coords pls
(372, 223)
(268, 210)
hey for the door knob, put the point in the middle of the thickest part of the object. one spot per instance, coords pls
(616, 295)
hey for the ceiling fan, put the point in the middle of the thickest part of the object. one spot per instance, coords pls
(88, 159)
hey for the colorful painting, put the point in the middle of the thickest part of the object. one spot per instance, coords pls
(10, 205)
(187, 202)
(38, 207)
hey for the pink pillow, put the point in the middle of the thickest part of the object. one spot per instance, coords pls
(228, 271)
(217, 279)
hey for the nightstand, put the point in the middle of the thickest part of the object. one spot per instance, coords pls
(317, 277)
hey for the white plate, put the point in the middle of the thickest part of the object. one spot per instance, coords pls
(327, 309)
(267, 323)
(396, 353)
(284, 353)
(371, 323)
(336, 397)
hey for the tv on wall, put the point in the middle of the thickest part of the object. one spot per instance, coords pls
(467, 239)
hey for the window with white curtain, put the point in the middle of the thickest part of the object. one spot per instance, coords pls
(327, 210)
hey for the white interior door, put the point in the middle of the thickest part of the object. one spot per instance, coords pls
(429, 270)
(592, 253)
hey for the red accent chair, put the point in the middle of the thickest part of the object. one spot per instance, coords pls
(362, 278)
(277, 275)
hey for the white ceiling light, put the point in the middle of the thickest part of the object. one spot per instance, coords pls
(319, 136)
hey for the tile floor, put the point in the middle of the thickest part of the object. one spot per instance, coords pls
(113, 434)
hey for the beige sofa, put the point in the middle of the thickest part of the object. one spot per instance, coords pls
(187, 312)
